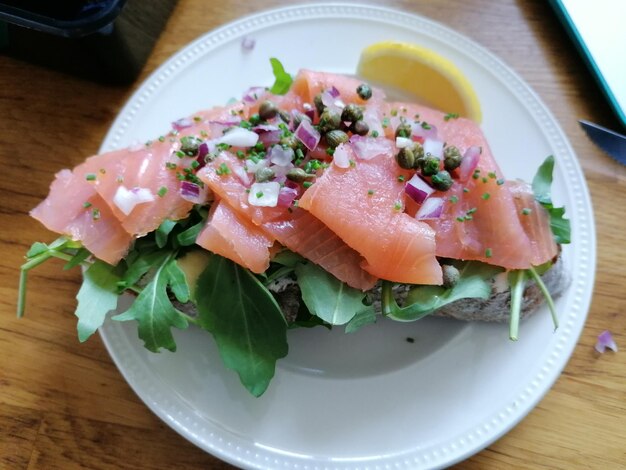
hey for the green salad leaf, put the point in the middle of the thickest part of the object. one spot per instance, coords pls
(282, 80)
(542, 182)
(97, 296)
(361, 319)
(474, 282)
(154, 311)
(245, 320)
(326, 296)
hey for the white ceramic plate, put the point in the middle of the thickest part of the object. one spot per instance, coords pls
(372, 399)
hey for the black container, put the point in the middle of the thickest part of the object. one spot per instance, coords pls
(103, 40)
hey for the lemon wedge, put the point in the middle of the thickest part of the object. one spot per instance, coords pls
(423, 73)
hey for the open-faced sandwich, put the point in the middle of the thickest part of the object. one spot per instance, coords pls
(315, 202)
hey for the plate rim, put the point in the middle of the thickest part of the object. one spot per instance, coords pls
(481, 436)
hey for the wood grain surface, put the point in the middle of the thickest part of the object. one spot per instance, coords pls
(64, 405)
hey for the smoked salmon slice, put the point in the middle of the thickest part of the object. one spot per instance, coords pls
(73, 208)
(292, 227)
(233, 237)
(363, 205)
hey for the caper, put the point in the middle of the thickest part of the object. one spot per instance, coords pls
(298, 118)
(430, 165)
(442, 180)
(189, 145)
(267, 110)
(351, 113)
(329, 120)
(418, 150)
(451, 158)
(284, 116)
(404, 130)
(360, 128)
(451, 275)
(290, 141)
(364, 91)
(336, 137)
(264, 174)
(319, 104)
(298, 175)
(406, 158)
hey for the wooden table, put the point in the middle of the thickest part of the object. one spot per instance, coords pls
(64, 405)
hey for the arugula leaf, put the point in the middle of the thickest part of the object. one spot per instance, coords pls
(140, 266)
(326, 296)
(97, 296)
(288, 258)
(154, 311)
(81, 255)
(421, 301)
(177, 282)
(161, 234)
(188, 237)
(561, 228)
(282, 81)
(361, 319)
(517, 281)
(36, 249)
(245, 320)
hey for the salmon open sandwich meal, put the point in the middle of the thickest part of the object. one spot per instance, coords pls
(313, 202)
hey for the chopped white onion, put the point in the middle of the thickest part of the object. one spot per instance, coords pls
(126, 199)
(367, 148)
(264, 194)
(469, 162)
(239, 137)
(341, 157)
(433, 147)
(430, 209)
(403, 142)
(281, 156)
(253, 166)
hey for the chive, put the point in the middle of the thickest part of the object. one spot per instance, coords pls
(394, 112)
(454, 199)
(195, 164)
(484, 179)
(90, 176)
(103, 171)
(472, 210)
(222, 170)
(170, 165)
(401, 178)
(492, 175)
(86, 204)
(465, 190)
(162, 138)
(162, 191)
(449, 116)
(460, 219)
(375, 134)
(500, 182)
(397, 206)
(425, 125)
(485, 196)
(370, 192)
(526, 211)
(259, 194)
(307, 184)
(197, 118)
(180, 153)
(352, 163)
(95, 214)
(488, 253)
(330, 151)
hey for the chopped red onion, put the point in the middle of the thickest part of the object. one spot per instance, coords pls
(247, 43)
(418, 189)
(286, 195)
(469, 162)
(310, 112)
(308, 135)
(430, 132)
(126, 199)
(367, 148)
(433, 147)
(402, 142)
(280, 171)
(281, 156)
(370, 116)
(269, 138)
(432, 208)
(253, 94)
(240, 137)
(605, 340)
(264, 194)
(331, 101)
(182, 123)
(189, 191)
(342, 156)
(265, 128)
(333, 92)
(203, 151)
